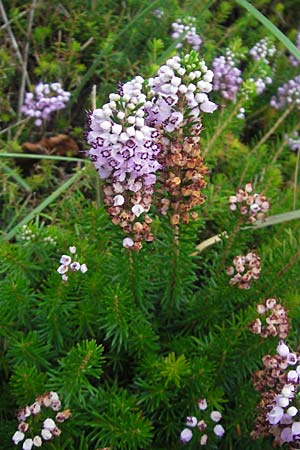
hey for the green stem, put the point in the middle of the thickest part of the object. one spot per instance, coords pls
(264, 139)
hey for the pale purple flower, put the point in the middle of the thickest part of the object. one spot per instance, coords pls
(49, 424)
(219, 430)
(128, 242)
(296, 428)
(185, 28)
(275, 415)
(46, 434)
(216, 416)
(75, 266)
(186, 435)
(37, 441)
(18, 437)
(282, 349)
(293, 141)
(263, 50)
(27, 444)
(83, 268)
(286, 435)
(295, 61)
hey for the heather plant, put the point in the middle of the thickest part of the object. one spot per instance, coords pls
(149, 277)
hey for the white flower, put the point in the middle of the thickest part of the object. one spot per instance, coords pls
(27, 444)
(137, 210)
(128, 242)
(37, 441)
(83, 268)
(203, 439)
(46, 434)
(18, 437)
(64, 277)
(35, 408)
(65, 260)
(49, 424)
(72, 250)
(186, 435)
(119, 200)
(191, 421)
(282, 349)
(62, 269)
(219, 430)
(296, 428)
(216, 416)
(202, 404)
(75, 266)
(208, 107)
(292, 411)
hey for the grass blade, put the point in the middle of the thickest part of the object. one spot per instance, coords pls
(45, 203)
(271, 27)
(38, 156)
(13, 174)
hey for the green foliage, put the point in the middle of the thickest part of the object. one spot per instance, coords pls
(131, 345)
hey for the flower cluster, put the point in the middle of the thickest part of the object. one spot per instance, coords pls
(30, 415)
(293, 141)
(124, 151)
(262, 50)
(227, 77)
(182, 80)
(28, 235)
(261, 83)
(295, 61)
(159, 13)
(67, 264)
(279, 409)
(202, 425)
(133, 134)
(288, 94)
(247, 268)
(273, 321)
(186, 29)
(45, 99)
(251, 205)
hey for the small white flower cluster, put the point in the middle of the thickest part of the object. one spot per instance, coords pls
(293, 141)
(247, 268)
(186, 29)
(49, 428)
(254, 206)
(186, 77)
(27, 235)
(67, 264)
(192, 421)
(263, 50)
